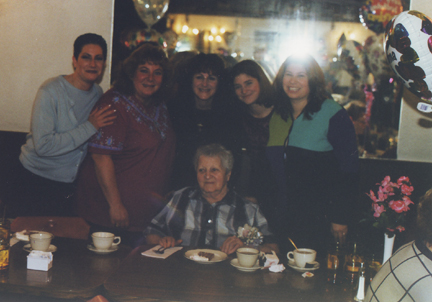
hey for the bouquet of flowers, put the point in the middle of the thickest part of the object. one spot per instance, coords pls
(250, 235)
(390, 204)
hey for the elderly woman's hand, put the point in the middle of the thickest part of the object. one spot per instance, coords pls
(231, 245)
(167, 242)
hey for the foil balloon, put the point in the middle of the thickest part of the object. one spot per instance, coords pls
(376, 58)
(375, 14)
(133, 38)
(150, 11)
(351, 55)
(408, 49)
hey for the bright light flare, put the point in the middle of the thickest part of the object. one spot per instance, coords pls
(298, 46)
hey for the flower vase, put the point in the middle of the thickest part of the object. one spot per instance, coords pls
(388, 247)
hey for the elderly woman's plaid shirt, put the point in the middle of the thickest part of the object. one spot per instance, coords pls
(188, 216)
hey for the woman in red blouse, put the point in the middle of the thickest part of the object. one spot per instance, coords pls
(126, 174)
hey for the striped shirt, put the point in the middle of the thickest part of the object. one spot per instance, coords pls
(188, 216)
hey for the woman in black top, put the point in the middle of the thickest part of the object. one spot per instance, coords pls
(254, 94)
(201, 115)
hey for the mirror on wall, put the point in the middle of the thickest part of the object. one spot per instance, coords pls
(345, 37)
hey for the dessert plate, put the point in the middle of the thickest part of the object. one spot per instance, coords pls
(218, 256)
(92, 248)
(315, 264)
(236, 264)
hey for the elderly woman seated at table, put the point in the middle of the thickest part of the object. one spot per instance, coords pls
(211, 214)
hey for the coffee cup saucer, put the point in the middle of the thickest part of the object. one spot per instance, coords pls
(113, 248)
(236, 264)
(52, 248)
(316, 265)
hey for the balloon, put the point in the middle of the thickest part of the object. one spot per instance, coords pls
(150, 11)
(351, 54)
(408, 49)
(375, 14)
(134, 38)
(376, 58)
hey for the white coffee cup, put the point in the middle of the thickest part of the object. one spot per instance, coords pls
(247, 256)
(41, 241)
(302, 256)
(105, 240)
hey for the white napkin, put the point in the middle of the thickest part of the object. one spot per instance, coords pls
(23, 235)
(168, 252)
(271, 259)
(277, 268)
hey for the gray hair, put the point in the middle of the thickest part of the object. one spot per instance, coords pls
(213, 150)
(424, 217)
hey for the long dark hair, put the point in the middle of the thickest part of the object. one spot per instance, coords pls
(316, 81)
(254, 70)
(147, 53)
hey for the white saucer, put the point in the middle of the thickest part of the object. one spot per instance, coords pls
(27, 248)
(235, 263)
(92, 248)
(316, 265)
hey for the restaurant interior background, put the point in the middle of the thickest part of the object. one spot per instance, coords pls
(264, 30)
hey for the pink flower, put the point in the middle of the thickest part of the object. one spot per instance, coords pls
(385, 181)
(382, 194)
(378, 209)
(407, 201)
(400, 228)
(372, 196)
(398, 206)
(406, 189)
(403, 179)
(392, 198)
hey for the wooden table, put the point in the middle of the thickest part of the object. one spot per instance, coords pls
(179, 279)
(76, 272)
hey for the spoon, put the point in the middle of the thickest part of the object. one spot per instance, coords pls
(292, 242)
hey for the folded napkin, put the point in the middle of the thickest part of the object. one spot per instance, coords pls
(23, 235)
(168, 252)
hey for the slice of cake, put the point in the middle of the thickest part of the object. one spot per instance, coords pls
(206, 255)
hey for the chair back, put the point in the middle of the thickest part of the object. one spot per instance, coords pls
(69, 227)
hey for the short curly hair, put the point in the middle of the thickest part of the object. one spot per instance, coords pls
(215, 150)
(424, 217)
(89, 38)
(147, 53)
